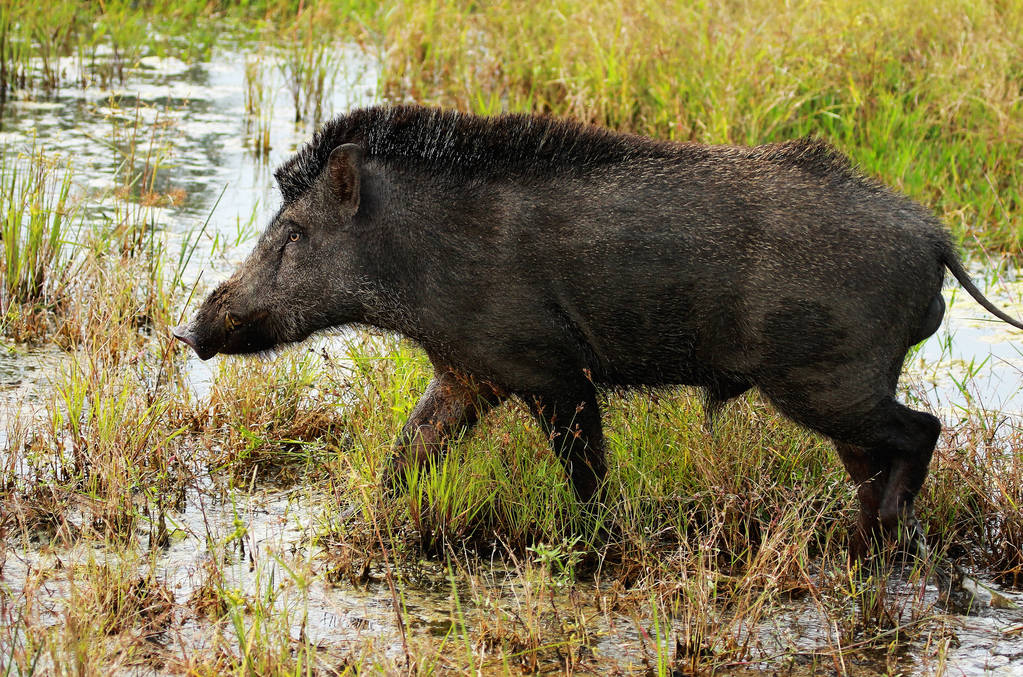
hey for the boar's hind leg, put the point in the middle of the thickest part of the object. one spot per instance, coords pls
(452, 403)
(900, 443)
(893, 441)
(906, 439)
(572, 424)
(915, 441)
(871, 478)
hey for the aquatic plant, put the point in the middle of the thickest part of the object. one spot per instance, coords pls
(37, 233)
(259, 102)
(309, 64)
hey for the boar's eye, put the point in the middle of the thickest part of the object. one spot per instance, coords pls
(294, 235)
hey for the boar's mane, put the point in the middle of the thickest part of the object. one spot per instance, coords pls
(448, 142)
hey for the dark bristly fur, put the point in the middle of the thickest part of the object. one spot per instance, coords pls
(479, 148)
(543, 258)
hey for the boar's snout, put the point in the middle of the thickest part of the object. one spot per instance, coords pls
(188, 336)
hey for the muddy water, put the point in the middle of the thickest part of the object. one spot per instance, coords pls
(206, 154)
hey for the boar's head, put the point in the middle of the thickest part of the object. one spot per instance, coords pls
(300, 277)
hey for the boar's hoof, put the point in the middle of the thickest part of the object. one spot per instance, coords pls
(861, 545)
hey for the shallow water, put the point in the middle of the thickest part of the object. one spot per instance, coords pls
(974, 350)
(204, 150)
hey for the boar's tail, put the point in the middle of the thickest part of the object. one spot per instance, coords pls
(955, 266)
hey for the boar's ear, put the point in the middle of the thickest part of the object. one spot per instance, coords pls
(343, 169)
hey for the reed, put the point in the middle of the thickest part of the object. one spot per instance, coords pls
(38, 229)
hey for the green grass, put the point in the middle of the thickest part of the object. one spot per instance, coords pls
(38, 229)
(699, 538)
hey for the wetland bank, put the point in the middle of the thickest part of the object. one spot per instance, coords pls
(161, 515)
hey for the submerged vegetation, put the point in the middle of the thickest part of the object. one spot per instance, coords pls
(147, 524)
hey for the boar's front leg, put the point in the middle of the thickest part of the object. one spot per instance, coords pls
(572, 424)
(452, 404)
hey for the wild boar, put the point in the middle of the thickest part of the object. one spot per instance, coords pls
(543, 259)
